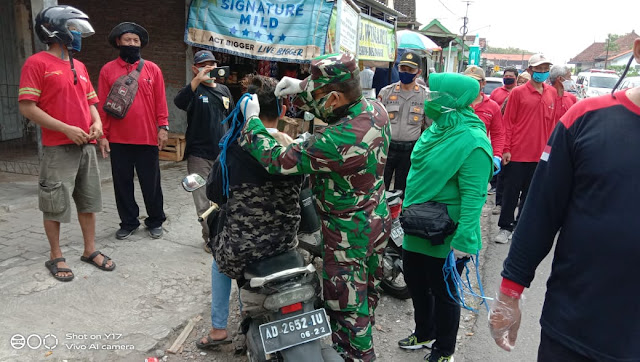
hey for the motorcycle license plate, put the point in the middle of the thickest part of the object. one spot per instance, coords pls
(292, 331)
(397, 234)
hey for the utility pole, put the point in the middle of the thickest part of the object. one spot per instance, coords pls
(607, 56)
(464, 29)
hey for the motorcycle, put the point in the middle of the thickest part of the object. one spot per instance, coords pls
(282, 316)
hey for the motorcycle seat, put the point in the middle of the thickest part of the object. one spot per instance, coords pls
(287, 260)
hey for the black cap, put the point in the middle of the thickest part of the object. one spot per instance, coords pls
(128, 27)
(411, 59)
(203, 56)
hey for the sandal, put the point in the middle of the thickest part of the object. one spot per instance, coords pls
(212, 342)
(52, 265)
(106, 259)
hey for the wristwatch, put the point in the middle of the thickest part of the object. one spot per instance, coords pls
(166, 128)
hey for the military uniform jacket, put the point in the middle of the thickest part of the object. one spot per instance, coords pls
(346, 162)
(406, 111)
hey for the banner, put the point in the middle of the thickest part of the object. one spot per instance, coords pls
(348, 34)
(377, 40)
(281, 30)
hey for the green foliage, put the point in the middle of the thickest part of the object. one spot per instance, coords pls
(611, 44)
(508, 50)
(633, 72)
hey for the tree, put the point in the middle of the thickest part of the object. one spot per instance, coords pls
(620, 68)
(610, 45)
(508, 50)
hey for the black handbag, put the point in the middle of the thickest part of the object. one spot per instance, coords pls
(428, 220)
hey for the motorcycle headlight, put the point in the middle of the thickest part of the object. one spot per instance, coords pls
(288, 297)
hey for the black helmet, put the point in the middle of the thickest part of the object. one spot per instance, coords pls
(52, 24)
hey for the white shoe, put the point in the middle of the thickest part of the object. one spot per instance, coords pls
(503, 236)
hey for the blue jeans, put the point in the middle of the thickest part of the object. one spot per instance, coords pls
(220, 292)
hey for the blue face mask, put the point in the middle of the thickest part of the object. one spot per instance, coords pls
(406, 77)
(76, 43)
(540, 76)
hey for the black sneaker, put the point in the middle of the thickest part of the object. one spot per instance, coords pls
(411, 342)
(122, 234)
(437, 356)
(155, 233)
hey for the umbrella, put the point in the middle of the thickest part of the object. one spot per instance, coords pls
(408, 39)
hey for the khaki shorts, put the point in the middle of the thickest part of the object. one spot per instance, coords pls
(65, 171)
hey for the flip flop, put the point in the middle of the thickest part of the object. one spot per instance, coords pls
(106, 259)
(211, 342)
(52, 265)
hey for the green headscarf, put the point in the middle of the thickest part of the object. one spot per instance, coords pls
(441, 149)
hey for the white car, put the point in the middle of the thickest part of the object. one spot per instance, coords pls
(492, 84)
(596, 82)
(630, 82)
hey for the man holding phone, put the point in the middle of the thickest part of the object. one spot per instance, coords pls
(207, 104)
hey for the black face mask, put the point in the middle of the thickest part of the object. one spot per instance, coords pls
(129, 54)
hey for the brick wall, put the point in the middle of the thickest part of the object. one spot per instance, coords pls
(165, 22)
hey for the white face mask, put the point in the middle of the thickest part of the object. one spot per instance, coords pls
(208, 80)
(569, 85)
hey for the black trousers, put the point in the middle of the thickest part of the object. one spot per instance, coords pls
(517, 178)
(436, 315)
(552, 351)
(499, 185)
(144, 159)
(398, 162)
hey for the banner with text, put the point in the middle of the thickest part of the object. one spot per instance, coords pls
(377, 40)
(281, 30)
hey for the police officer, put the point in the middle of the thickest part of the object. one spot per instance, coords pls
(404, 101)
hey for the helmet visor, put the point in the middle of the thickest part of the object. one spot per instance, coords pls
(82, 26)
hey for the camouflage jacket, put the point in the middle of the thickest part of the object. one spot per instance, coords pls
(259, 219)
(346, 161)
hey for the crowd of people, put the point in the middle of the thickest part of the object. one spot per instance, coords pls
(445, 143)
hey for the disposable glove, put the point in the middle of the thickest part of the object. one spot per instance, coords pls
(252, 107)
(288, 86)
(497, 165)
(504, 321)
(460, 254)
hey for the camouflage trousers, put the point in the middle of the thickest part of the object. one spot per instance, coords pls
(350, 284)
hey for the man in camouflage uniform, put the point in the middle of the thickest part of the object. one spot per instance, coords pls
(346, 162)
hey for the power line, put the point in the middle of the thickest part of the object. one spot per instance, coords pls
(445, 6)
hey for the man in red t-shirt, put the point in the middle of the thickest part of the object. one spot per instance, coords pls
(509, 79)
(56, 93)
(529, 121)
(560, 79)
(134, 141)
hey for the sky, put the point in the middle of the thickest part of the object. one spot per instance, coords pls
(560, 29)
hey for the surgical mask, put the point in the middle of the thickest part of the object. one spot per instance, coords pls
(209, 81)
(76, 43)
(406, 77)
(129, 54)
(318, 107)
(434, 110)
(568, 84)
(540, 76)
(508, 81)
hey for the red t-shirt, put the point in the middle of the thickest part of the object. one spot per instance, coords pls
(529, 119)
(563, 104)
(500, 94)
(148, 110)
(489, 112)
(48, 81)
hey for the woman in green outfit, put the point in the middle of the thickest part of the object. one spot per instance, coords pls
(450, 164)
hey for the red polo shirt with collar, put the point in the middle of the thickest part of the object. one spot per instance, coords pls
(489, 112)
(148, 110)
(529, 119)
(500, 94)
(563, 103)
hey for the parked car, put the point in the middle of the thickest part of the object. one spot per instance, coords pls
(492, 84)
(630, 82)
(596, 82)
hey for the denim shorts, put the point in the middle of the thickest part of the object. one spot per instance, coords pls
(69, 171)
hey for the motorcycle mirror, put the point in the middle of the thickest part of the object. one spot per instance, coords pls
(193, 182)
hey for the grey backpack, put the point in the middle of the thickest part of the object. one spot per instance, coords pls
(122, 93)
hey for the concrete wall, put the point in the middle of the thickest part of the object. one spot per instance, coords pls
(165, 22)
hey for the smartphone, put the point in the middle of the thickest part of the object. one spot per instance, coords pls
(220, 72)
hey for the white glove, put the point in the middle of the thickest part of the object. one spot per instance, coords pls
(288, 86)
(252, 107)
(460, 254)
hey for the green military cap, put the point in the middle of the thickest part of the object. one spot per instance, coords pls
(328, 69)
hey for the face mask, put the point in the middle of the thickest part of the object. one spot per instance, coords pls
(540, 76)
(508, 81)
(568, 84)
(129, 54)
(76, 42)
(406, 77)
(209, 81)
(319, 109)
(434, 111)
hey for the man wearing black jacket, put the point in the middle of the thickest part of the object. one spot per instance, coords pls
(207, 104)
(586, 187)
